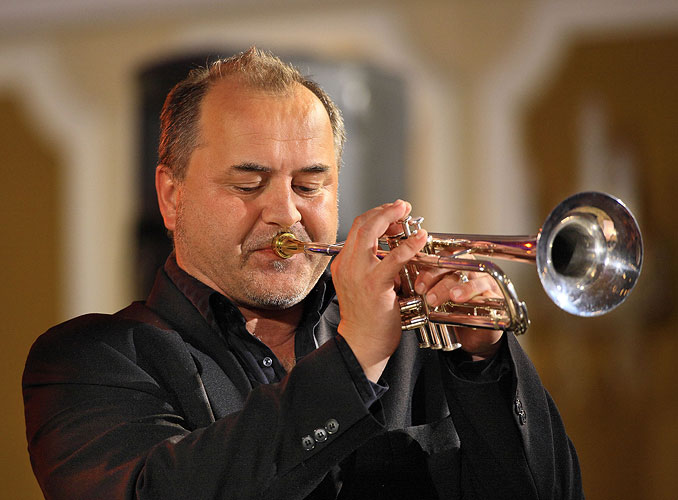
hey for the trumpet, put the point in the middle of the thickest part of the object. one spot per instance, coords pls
(588, 254)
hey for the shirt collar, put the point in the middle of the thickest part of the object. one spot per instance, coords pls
(200, 295)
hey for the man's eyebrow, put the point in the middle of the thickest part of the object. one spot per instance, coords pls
(251, 167)
(316, 168)
(255, 167)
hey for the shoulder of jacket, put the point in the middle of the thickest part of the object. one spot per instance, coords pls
(101, 347)
(91, 331)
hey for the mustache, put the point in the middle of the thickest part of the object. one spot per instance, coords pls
(262, 241)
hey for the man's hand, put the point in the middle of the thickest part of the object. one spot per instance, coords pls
(440, 286)
(365, 286)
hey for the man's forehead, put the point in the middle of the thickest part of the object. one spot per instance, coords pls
(234, 93)
(240, 110)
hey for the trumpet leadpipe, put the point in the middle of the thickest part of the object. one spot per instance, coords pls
(286, 245)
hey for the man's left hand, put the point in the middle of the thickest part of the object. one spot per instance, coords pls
(441, 285)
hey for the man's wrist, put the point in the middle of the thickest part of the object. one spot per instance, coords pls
(491, 368)
(479, 344)
(484, 355)
(368, 389)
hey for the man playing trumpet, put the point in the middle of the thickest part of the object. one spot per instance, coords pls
(244, 375)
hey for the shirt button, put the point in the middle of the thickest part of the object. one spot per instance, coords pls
(307, 443)
(332, 426)
(267, 362)
(320, 435)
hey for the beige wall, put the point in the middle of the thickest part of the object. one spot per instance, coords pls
(68, 108)
(30, 253)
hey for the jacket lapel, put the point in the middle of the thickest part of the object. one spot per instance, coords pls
(535, 428)
(168, 302)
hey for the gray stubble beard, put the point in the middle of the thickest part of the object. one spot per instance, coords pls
(259, 295)
(266, 298)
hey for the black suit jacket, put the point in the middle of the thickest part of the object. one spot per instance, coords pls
(149, 403)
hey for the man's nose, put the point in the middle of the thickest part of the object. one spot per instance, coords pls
(280, 206)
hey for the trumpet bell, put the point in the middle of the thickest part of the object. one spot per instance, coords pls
(589, 254)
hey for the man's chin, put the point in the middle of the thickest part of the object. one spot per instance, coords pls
(272, 289)
(273, 300)
(280, 283)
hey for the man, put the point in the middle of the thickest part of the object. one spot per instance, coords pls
(247, 376)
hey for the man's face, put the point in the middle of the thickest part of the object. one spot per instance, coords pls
(265, 163)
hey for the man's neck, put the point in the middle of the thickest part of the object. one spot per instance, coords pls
(276, 329)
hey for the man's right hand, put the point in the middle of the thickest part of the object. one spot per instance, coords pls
(365, 286)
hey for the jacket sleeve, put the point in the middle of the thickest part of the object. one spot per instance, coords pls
(102, 424)
(514, 443)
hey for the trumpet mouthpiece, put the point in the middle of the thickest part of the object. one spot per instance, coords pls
(285, 245)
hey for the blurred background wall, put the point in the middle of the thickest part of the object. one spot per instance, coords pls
(495, 112)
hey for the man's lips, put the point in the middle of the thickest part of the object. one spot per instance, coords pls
(267, 252)
(264, 251)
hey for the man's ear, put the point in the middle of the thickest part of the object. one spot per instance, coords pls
(167, 189)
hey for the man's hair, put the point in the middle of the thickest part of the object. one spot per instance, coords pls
(256, 70)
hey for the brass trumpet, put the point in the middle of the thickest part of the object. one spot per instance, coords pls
(588, 254)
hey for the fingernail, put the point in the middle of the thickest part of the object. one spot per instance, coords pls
(432, 298)
(456, 292)
(419, 288)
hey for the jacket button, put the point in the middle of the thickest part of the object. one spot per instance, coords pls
(307, 443)
(320, 435)
(331, 426)
(520, 411)
(267, 362)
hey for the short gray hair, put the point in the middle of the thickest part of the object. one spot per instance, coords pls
(256, 69)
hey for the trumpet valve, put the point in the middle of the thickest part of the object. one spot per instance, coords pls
(409, 305)
(411, 225)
